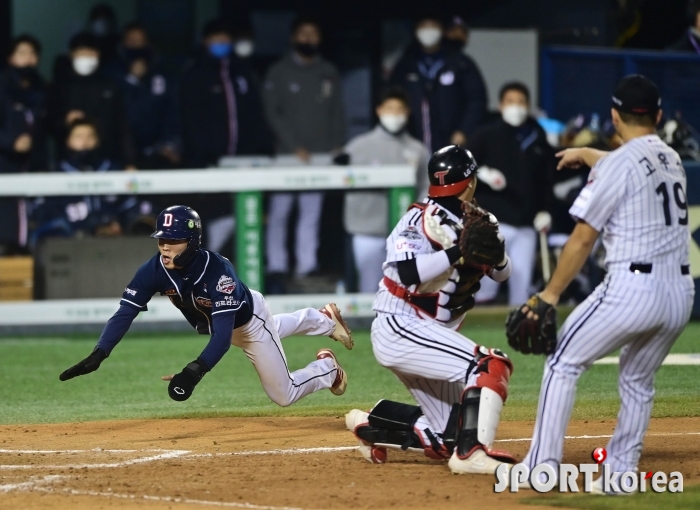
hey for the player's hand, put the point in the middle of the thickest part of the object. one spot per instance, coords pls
(168, 377)
(572, 158)
(182, 385)
(89, 364)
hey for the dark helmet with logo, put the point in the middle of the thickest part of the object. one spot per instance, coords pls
(450, 170)
(180, 222)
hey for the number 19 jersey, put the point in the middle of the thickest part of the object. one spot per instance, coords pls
(636, 197)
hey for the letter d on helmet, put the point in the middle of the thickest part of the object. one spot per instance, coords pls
(180, 222)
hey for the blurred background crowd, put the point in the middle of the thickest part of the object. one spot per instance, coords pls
(347, 84)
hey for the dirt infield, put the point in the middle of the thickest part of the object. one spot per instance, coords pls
(271, 463)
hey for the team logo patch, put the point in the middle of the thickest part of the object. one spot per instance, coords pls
(129, 291)
(410, 233)
(226, 284)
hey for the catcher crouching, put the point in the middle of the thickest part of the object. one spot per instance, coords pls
(436, 256)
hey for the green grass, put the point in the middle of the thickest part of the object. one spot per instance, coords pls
(689, 498)
(128, 384)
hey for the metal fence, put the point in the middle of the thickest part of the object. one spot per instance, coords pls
(577, 80)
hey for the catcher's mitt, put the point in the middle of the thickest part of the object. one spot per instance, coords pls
(535, 335)
(479, 241)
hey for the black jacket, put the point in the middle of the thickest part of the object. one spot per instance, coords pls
(453, 91)
(527, 162)
(685, 43)
(152, 110)
(207, 133)
(22, 110)
(101, 100)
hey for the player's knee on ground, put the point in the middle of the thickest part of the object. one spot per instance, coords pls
(481, 403)
(393, 424)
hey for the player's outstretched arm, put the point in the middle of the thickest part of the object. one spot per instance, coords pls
(578, 157)
(89, 364)
(114, 331)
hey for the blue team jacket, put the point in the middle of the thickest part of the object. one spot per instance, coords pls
(208, 293)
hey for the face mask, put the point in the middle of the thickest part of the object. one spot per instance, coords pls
(25, 73)
(84, 160)
(514, 114)
(393, 123)
(132, 54)
(428, 36)
(306, 49)
(101, 27)
(244, 48)
(220, 49)
(85, 66)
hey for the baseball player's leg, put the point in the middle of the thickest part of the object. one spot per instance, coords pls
(307, 321)
(426, 355)
(260, 341)
(276, 234)
(370, 253)
(436, 399)
(639, 361)
(603, 323)
(521, 249)
(307, 232)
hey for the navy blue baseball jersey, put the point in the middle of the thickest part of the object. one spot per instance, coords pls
(208, 293)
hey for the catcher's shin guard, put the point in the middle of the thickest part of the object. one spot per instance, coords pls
(480, 409)
(392, 425)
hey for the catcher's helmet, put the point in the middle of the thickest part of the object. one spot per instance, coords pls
(180, 222)
(450, 170)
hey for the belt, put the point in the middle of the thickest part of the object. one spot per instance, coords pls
(646, 268)
(428, 303)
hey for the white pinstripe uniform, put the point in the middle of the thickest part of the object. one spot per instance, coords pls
(636, 197)
(428, 355)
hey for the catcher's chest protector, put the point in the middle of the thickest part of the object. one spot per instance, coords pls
(445, 298)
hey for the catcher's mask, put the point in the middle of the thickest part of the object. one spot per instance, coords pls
(180, 222)
(450, 170)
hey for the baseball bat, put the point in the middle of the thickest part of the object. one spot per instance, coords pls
(544, 255)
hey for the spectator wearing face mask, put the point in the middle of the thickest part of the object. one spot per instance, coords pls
(690, 40)
(447, 91)
(22, 109)
(366, 214)
(22, 131)
(102, 23)
(65, 216)
(151, 105)
(457, 33)
(220, 107)
(303, 102)
(87, 93)
(515, 182)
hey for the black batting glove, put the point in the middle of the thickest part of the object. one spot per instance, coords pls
(89, 364)
(182, 385)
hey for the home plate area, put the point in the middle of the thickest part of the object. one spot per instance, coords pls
(271, 463)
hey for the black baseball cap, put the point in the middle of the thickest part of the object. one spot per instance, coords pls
(636, 94)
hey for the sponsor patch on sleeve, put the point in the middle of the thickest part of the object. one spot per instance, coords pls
(226, 284)
(129, 291)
